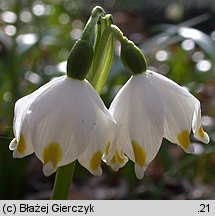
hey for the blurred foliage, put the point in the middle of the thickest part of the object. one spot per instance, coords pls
(35, 39)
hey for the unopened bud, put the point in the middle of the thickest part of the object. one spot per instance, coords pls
(133, 58)
(80, 60)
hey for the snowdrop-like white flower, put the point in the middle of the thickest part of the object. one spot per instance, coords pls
(147, 108)
(62, 121)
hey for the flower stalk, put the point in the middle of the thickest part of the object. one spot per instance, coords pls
(96, 14)
(63, 181)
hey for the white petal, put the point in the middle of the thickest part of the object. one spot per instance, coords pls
(118, 159)
(13, 144)
(24, 146)
(198, 131)
(102, 135)
(48, 169)
(22, 105)
(139, 171)
(70, 117)
(180, 106)
(114, 155)
(138, 109)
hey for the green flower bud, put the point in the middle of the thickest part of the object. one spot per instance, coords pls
(109, 18)
(133, 58)
(80, 60)
(97, 10)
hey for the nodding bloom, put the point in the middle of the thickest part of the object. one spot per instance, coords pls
(147, 108)
(62, 121)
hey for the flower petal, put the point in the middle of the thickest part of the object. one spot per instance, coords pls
(22, 144)
(23, 147)
(69, 115)
(102, 135)
(114, 156)
(52, 155)
(198, 130)
(22, 105)
(180, 109)
(138, 109)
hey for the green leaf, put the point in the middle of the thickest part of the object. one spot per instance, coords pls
(171, 34)
(203, 40)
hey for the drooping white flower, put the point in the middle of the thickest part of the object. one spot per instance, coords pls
(147, 108)
(62, 121)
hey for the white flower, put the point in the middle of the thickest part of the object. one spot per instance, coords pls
(147, 108)
(62, 121)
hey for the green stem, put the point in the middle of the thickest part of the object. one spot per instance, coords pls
(96, 14)
(118, 34)
(63, 181)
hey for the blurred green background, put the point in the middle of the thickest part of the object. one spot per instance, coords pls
(178, 39)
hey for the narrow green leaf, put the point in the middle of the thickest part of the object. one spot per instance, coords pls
(170, 34)
(200, 38)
